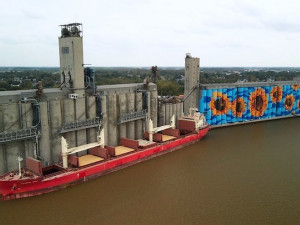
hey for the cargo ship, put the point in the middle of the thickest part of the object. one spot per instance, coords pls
(100, 159)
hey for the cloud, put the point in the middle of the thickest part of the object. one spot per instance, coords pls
(134, 33)
(34, 15)
(281, 26)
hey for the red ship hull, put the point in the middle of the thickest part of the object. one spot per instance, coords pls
(12, 189)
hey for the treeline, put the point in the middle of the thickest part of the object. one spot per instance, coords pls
(120, 76)
(246, 76)
(171, 80)
(27, 79)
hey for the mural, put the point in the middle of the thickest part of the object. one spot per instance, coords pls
(230, 105)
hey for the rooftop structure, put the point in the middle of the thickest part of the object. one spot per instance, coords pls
(71, 30)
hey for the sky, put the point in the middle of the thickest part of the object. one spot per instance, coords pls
(140, 33)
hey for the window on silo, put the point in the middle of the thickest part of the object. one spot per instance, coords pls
(65, 50)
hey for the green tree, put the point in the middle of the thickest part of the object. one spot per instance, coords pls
(4, 86)
(168, 88)
(26, 84)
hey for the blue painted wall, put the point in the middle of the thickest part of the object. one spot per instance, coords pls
(239, 104)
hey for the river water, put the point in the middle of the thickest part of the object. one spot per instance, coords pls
(246, 174)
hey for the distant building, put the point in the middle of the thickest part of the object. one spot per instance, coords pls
(15, 85)
(270, 80)
(296, 78)
(242, 81)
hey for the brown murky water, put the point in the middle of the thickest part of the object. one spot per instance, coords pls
(247, 174)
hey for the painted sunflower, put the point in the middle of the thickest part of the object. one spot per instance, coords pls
(238, 107)
(258, 102)
(295, 87)
(219, 104)
(276, 94)
(289, 102)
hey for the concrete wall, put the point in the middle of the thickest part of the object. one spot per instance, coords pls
(54, 113)
(3, 162)
(104, 117)
(56, 110)
(11, 118)
(55, 124)
(122, 100)
(130, 108)
(166, 110)
(112, 118)
(138, 123)
(71, 62)
(191, 79)
(46, 133)
(122, 110)
(91, 134)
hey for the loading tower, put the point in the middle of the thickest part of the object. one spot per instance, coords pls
(71, 58)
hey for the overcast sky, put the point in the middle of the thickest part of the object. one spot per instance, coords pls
(154, 32)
